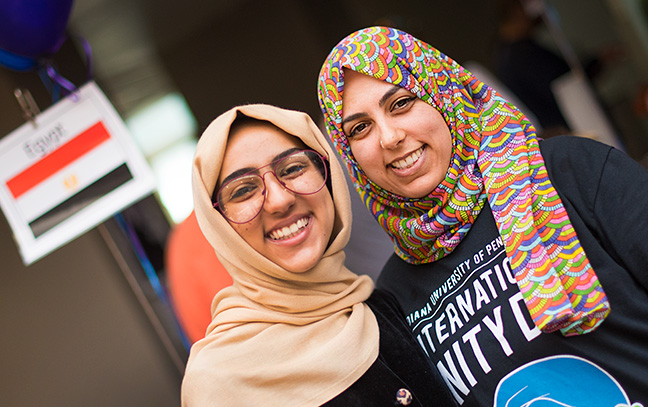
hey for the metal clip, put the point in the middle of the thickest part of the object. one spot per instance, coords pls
(27, 104)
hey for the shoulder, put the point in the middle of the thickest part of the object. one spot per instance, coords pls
(575, 166)
(390, 317)
(565, 153)
(384, 305)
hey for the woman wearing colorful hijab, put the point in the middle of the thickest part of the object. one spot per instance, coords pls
(508, 251)
(296, 327)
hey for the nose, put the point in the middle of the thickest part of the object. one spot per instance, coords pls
(278, 199)
(390, 136)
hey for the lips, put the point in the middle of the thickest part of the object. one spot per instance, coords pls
(409, 160)
(289, 231)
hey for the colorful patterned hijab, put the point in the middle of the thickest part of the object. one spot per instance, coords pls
(277, 338)
(496, 159)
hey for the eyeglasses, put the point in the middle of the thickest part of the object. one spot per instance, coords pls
(241, 199)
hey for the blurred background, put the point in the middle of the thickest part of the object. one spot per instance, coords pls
(107, 319)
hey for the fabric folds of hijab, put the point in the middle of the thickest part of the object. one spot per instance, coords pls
(496, 159)
(277, 338)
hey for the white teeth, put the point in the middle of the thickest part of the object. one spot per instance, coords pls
(288, 231)
(409, 160)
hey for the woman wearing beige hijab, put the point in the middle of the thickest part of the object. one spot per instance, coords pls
(296, 327)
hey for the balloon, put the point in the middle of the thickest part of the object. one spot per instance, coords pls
(31, 29)
(16, 62)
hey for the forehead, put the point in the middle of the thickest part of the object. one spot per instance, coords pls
(260, 134)
(252, 145)
(361, 90)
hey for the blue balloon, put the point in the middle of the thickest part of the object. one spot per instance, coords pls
(17, 62)
(31, 29)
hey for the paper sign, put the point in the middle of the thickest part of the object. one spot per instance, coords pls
(73, 168)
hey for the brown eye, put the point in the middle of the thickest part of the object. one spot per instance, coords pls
(403, 102)
(356, 130)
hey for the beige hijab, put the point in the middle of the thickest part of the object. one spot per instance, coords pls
(277, 338)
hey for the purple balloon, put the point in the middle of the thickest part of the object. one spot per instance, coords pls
(33, 28)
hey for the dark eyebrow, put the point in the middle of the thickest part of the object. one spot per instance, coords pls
(388, 94)
(285, 153)
(247, 170)
(235, 174)
(352, 118)
(381, 103)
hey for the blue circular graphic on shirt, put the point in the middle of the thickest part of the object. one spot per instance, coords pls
(560, 381)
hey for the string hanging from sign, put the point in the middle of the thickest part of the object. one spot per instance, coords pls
(149, 270)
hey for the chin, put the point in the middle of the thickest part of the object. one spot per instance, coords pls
(422, 190)
(301, 263)
(300, 267)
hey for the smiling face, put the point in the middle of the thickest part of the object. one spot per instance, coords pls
(292, 230)
(401, 142)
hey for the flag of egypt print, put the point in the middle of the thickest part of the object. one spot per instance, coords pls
(68, 179)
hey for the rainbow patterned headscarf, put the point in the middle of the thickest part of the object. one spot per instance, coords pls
(496, 159)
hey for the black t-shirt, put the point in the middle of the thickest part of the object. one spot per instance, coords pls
(467, 313)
